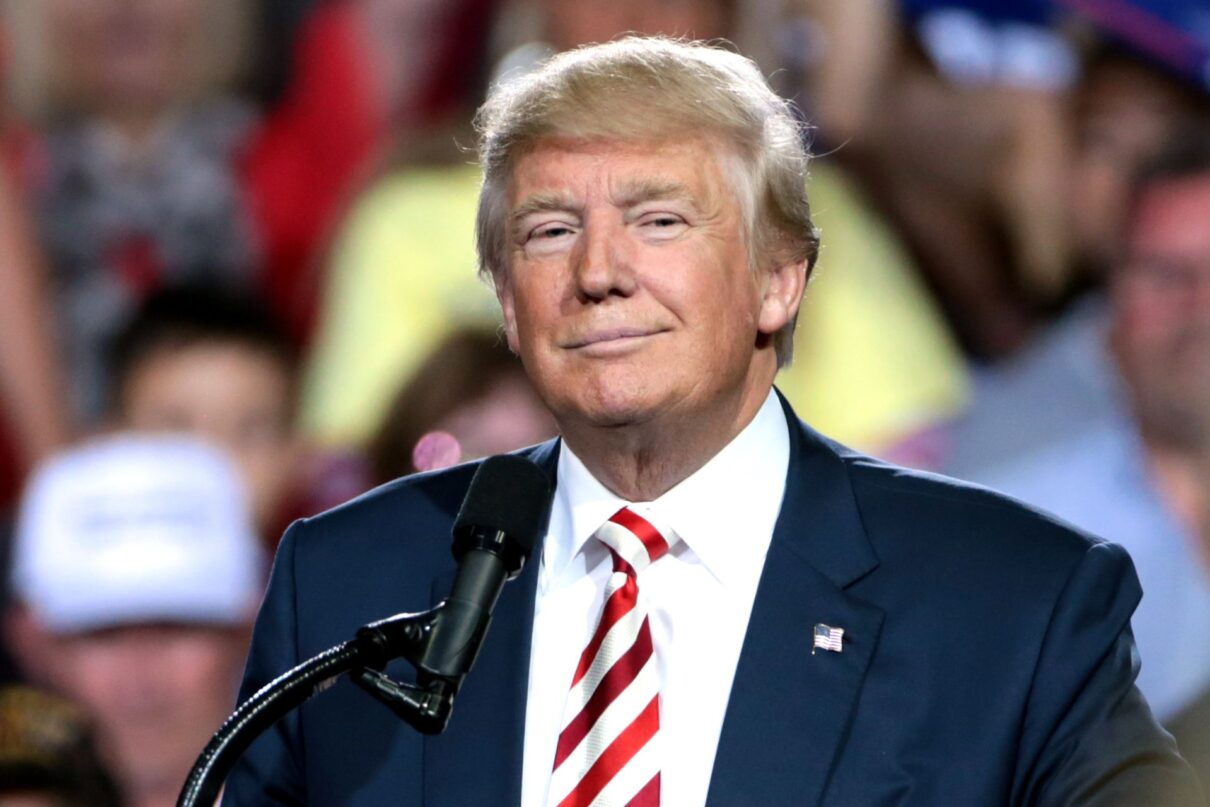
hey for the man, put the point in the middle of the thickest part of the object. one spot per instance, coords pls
(1137, 475)
(727, 607)
(136, 572)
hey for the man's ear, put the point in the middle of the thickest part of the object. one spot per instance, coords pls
(782, 294)
(504, 293)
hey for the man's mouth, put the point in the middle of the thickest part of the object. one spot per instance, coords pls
(614, 336)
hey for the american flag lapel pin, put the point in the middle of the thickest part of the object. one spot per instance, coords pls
(827, 637)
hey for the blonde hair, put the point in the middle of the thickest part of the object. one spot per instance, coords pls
(652, 88)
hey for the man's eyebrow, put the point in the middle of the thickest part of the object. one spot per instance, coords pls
(540, 203)
(652, 189)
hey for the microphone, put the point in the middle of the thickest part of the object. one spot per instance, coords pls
(505, 512)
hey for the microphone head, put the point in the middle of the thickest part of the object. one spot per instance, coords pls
(510, 495)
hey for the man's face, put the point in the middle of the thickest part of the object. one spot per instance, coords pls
(1161, 294)
(629, 296)
(236, 397)
(157, 693)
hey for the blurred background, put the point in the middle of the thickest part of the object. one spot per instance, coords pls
(237, 286)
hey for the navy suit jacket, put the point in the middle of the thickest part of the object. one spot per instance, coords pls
(987, 655)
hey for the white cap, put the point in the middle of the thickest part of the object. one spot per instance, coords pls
(137, 528)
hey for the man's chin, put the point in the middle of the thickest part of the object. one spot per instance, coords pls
(614, 413)
(619, 417)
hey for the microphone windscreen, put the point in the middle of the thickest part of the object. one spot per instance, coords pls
(509, 494)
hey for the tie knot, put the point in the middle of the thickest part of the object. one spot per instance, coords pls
(635, 540)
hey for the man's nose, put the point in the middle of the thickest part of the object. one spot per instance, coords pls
(602, 265)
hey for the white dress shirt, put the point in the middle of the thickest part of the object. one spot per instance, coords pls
(699, 597)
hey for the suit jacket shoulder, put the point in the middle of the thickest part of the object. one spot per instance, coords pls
(945, 535)
(987, 652)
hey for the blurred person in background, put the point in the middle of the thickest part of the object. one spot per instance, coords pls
(1138, 478)
(950, 112)
(214, 362)
(135, 577)
(999, 141)
(146, 167)
(1127, 109)
(469, 399)
(48, 757)
(132, 170)
(362, 76)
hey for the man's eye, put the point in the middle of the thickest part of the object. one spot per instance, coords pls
(662, 225)
(663, 221)
(549, 231)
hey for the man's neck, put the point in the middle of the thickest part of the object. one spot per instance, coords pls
(641, 462)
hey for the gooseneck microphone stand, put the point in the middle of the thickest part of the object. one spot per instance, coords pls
(506, 508)
(425, 705)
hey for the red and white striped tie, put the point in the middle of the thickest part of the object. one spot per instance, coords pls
(608, 751)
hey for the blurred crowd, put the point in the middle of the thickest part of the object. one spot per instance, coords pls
(237, 287)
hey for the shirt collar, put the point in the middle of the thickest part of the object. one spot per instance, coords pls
(716, 510)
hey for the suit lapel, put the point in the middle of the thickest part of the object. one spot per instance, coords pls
(789, 709)
(477, 760)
